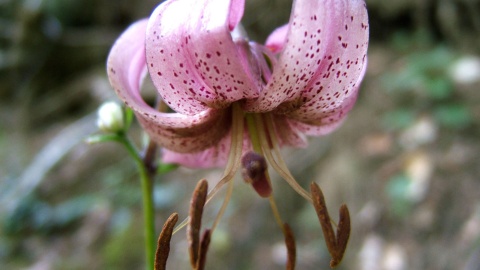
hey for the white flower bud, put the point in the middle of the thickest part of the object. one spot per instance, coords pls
(110, 117)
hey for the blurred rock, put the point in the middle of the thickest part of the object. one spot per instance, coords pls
(376, 254)
(394, 258)
(371, 253)
(423, 131)
(466, 70)
(376, 144)
(369, 214)
(419, 169)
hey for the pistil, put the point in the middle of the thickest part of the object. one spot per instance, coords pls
(269, 144)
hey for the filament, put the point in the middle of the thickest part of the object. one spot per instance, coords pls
(279, 166)
(231, 168)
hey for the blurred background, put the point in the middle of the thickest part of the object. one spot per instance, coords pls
(407, 160)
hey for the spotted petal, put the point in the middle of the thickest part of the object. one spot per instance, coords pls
(333, 90)
(276, 40)
(126, 70)
(192, 58)
(215, 156)
(321, 33)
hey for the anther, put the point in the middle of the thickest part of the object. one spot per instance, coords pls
(336, 243)
(163, 244)
(254, 172)
(290, 244)
(197, 203)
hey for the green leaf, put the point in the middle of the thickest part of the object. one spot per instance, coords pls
(398, 119)
(166, 167)
(439, 88)
(397, 190)
(128, 118)
(453, 116)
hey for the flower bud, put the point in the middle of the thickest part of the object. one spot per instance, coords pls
(110, 117)
(254, 171)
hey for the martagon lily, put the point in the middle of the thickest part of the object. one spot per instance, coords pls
(232, 97)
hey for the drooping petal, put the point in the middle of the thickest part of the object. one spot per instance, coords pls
(214, 156)
(288, 133)
(332, 92)
(320, 33)
(192, 58)
(315, 130)
(314, 113)
(276, 40)
(126, 69)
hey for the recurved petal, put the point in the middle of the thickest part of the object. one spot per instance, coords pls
(333, 90)
(330, 108)
(126, 69)
(276, 40)
(325, 38)
(288, 133)
(315, 130)
(214, 156)
(192, 57)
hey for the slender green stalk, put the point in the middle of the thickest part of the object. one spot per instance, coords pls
(147, 198)
(252, 131)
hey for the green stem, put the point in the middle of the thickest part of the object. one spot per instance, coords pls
(252, 131)
(147, 197)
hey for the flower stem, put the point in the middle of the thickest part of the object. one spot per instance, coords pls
(147, 198)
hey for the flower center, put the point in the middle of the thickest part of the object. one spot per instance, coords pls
(254, 163)
(261, 130)
(266, 150)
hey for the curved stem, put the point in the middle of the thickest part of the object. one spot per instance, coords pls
(147, 198)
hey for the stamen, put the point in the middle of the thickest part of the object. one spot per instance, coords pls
(226, 200)
(163, 244)
(343, 234)
(336, 245)
(291, 249)
(275, 211)
(232, 166)
(202, 260)
(235, 150)
(279, 166)
(193, 229)
(324, 218)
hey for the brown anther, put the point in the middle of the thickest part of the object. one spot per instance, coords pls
(290, 244)
(343, 234)
(254, 171)
(197, 203)
(202, 260)
(336, 244)
(163, 243)
(324, 218)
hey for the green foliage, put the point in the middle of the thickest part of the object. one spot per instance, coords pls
(35, 215)
(422, 85)
(456, 116)
(123, 249)
(397, 190)
(398, 119)
(423, 73)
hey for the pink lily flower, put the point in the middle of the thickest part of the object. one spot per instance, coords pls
(231, 95)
